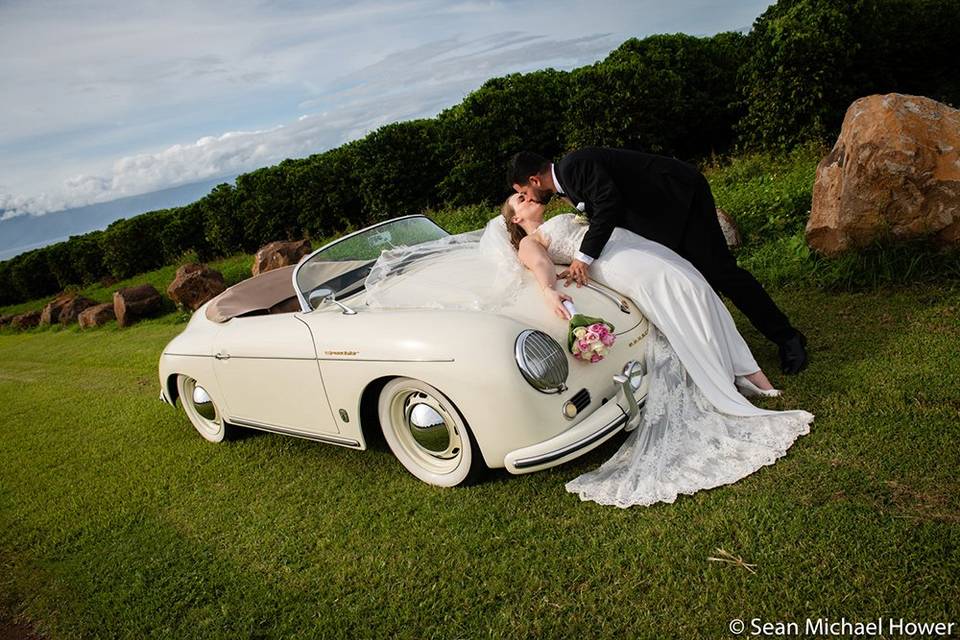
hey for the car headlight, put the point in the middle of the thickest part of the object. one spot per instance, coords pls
(542, 361)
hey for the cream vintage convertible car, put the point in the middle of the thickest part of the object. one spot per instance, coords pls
(298, 351)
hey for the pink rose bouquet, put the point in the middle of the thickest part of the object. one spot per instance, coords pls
(588, 339)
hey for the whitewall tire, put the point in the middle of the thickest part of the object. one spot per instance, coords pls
(202, 410)
(427, 434)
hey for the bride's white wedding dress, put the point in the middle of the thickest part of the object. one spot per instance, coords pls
(697, 430)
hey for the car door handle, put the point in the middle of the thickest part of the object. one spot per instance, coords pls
(620, 302)
(222, 356)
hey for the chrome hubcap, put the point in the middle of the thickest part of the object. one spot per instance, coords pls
(203, 404)
(200, 406)
(426, 429)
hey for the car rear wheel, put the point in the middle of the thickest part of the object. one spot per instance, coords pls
(427, 434)
(201, 410)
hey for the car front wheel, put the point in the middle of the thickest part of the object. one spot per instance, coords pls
(201, 410)
(427, 434)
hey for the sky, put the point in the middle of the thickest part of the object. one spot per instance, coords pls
(102, 100)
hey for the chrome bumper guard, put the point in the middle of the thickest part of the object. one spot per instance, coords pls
(600, 426)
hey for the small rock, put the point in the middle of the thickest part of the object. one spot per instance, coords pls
(51, 312)
(96, 316)
(73, 307)
(279, 254)
(134, 303)
(26, 320)
(6, 319)
(194, 284)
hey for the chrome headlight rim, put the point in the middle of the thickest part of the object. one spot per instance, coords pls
(520, 356)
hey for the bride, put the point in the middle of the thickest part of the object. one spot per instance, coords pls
(698, 430)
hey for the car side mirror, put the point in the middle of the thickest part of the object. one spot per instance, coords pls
(322, 295)
(318, 296)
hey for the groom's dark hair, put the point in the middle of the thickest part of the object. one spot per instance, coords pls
(523, 165)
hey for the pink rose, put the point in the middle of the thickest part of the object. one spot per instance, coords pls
(608, 339)
(596, 358)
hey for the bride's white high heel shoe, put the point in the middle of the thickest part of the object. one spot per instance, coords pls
(750, 390)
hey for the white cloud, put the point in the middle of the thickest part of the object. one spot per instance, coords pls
(95, 81)
(412, 83)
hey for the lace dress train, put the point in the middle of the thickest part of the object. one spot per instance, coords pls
(683, 444)
(697, 430)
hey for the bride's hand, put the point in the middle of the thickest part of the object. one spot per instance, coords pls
(555, 302)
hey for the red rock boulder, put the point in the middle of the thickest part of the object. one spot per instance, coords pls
(5, 320)
(96, 316)
(64, 309)
(894, 174)
(73, 308)
(26, 320)
(134, 303)
(51, 312)
(279, 254)
(194, 284)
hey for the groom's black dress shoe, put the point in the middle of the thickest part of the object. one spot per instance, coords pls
(793, 354)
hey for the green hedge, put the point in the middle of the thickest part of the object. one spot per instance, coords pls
(478, 136)
(673, 95)
(325, 191)
(399, 167)
(809, 59)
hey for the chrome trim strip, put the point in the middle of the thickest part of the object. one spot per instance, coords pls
(263, 358)
(620, 302)
(345, 442)
(349, 359)
(345, 359)
(609, 428)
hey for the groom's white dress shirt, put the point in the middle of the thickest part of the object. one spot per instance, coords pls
(582, 257)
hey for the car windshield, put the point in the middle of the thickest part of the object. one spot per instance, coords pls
(343, 265)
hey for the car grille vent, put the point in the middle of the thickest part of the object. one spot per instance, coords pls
(581, 399)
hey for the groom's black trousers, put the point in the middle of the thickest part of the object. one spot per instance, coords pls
(703, 244)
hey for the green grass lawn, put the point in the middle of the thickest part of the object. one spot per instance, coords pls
(118, 520)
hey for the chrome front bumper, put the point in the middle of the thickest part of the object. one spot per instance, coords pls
(623, 414)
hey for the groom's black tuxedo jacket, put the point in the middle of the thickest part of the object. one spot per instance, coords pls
(648, 194)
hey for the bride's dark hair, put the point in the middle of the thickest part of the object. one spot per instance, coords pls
(516, 232)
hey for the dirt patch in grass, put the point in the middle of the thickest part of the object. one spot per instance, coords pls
(10, 630)
(923, 505)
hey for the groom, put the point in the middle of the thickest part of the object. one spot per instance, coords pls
(661, 199)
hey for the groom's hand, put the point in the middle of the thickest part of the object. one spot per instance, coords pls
(576, 272)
